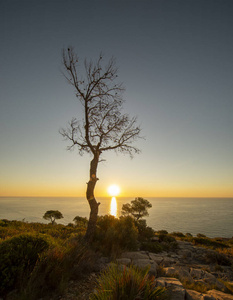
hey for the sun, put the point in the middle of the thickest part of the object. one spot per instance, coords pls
(113, 190)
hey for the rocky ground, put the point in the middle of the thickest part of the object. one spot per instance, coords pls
(183, 272)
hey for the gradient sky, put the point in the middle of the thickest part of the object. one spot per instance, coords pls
(175, 59)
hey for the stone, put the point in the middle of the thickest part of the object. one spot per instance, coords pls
(124, 261)
(185, 253)
(156, 257)
(176, 293)
(220, 295)
(168, 261)
(196, 273)
(167, 281)
(175, 288)
(181, 271)
(134, 255)
(193, 295)
(145, 263)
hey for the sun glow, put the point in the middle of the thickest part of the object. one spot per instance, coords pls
(113, 190)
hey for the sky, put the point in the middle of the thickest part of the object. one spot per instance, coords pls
(175, 59)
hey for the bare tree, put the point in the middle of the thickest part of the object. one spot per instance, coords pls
(103, 127)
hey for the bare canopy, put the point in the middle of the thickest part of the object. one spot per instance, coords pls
(103, 127)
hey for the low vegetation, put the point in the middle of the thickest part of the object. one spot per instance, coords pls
(126, 283)
(38, 260)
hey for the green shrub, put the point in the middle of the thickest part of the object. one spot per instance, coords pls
(217, 258)
(209, 243)
(145, 233)
(178, 234)
(56, 267)
(188, 235)
(126, 284)
(154, 247)
(161, 232)
(18, 256)
(201, 235)
(80, 221)
(115, 235)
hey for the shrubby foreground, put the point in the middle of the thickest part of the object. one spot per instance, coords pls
(41, 261)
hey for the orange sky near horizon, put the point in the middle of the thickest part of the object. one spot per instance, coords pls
(102, 191)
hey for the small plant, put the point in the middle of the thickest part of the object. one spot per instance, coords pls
(53, 215)
(126, 284)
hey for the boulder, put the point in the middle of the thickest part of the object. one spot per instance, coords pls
(134, 255)
(193, 295)
(124, 261)
(175, 288)
(168, 261)
(220, 295)
(156, 257)
(145, 263)
(181, 271)
(196, 273)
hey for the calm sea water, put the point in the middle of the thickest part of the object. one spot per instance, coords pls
(212, 217)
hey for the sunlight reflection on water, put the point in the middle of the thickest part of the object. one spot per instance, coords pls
(113, 207)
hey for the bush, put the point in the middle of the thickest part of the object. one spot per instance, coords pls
(178, 234)
(80, 221)
(56, 267)
(115, 235)
(145, 233)
(18, 257)
(218, 258)
(209, 243)
(161, 232)
(201, 235)
(154, 247)
(128, 283)
(188, 235)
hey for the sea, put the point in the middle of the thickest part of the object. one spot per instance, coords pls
(210, 216)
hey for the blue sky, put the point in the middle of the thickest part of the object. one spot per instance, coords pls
(175, 60)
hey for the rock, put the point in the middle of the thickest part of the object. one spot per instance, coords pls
(212, 280)
(175, 288)
(168, 261)
(134, 255)
(185, 253)
(124, 261)
(220, 295)
(145, 263)
(192, 295)
(181, 271)
(156, 257)
(167, 281)
(196, 273)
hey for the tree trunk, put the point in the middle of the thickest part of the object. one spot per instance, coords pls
(94, 206)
